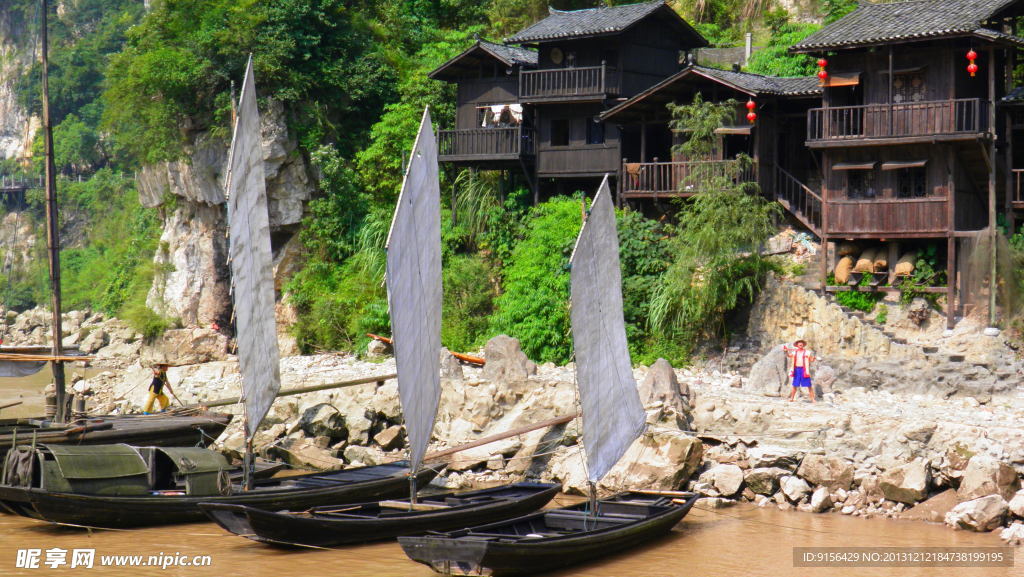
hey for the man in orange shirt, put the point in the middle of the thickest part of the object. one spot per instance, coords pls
(801, 369)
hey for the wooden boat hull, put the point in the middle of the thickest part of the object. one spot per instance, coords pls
(504, 549)
(299, 492)
(139, 430)
(364, 523)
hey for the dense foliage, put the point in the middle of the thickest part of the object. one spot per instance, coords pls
(133, 86)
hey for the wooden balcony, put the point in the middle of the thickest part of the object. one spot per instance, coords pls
(485, 144)
(568, 84)
(1017, 195)
(678, 179)
(891, 217)
(897, 123)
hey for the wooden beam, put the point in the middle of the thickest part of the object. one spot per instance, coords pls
(379, 379)
(500, 436)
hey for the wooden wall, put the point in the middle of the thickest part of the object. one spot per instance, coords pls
(578, 158)
(481, 92)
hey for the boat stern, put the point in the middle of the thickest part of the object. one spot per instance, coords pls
(448, 556)
(230, 517)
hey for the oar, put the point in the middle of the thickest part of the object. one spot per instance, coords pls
(9, 405)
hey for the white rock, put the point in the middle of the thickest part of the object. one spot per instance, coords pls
(794, 488)
(983, 514)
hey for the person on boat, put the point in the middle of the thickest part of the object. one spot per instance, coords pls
(156, 389)
(800, 370)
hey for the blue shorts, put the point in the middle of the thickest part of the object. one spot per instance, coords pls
(799, 379)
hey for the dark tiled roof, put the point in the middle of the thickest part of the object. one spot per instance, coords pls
(511, 54)
(508, 55)
(598, 21)
(1016, 95)
(907, 20)
(754, 84)
(774, 85)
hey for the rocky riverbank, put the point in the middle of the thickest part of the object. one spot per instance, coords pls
(856, 452)
(942, 453)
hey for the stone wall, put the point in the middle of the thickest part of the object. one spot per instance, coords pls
(785, 312)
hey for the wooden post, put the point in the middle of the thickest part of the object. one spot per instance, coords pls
(953, 304)
(52, 238)
(993, 233)
(891, 93)
(643, 140)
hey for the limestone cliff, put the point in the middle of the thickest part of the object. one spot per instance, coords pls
(192, 279)
(16, 127)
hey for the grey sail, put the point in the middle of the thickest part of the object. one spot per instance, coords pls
(613, 416)
(414, 291)
(20, 368)
(250, 253)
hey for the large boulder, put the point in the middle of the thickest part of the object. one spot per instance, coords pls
(187, 347)
(323, 420)
(451, 368)
(506, 361)
(1017, 504)
(660, 459)
(985, 475)
(907, 483)
(832, 472)
(794, 488)
(661, 385)
(305, 453)
(94, 341)
(821, 500)
(764, 480)
(984, 514)
(726, 479)
(392, 437)
(773, 456)
(934, 509)
(769, 375)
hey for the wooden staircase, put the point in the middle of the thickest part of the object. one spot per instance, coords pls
(797, 198)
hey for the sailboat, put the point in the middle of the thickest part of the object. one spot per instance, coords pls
(189, 427)
(414, 301)
(37, 483)
(613, 417)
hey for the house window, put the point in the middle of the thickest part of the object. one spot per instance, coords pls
(560, 132)
(908, 87)
(911, 182)
(595, 131)
(860, 184)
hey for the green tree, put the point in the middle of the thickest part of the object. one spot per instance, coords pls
(716, 262)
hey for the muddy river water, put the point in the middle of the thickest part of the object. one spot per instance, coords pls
(742, 541)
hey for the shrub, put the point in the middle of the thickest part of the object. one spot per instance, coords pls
(534, 307)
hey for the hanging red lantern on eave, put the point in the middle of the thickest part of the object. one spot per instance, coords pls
(972, 67)
(751, 115)
(822, 73)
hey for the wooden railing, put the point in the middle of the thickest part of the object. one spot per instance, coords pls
(963, 116)
(642, 179)
(1018, 187)
(801, 201)
(485, 143)
(8, 183)
(568, 83)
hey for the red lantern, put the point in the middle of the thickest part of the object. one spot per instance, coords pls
(751, 105)
(972, 67)
(751, 116)
(822, 74)
(822, 63)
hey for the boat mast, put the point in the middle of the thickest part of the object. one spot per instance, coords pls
(52, 238)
